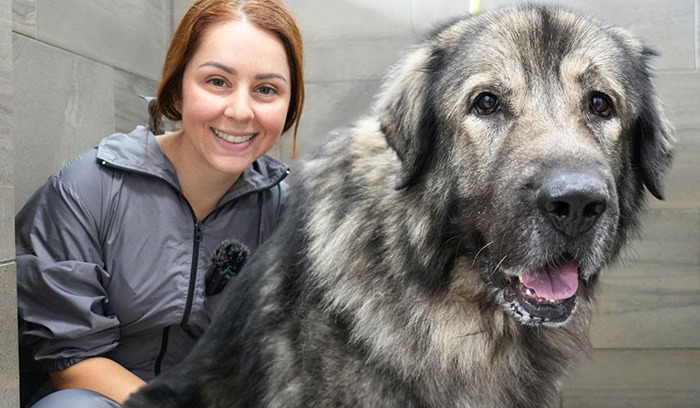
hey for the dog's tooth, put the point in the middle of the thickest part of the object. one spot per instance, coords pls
(520, 278)
(551, 300)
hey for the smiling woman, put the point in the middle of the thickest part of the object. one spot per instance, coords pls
(112, 250)
(235, 96)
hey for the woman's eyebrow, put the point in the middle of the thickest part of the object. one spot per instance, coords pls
(270, 76)
(222, 67)
(232, 71)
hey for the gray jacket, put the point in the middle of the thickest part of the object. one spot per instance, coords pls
(111, 259)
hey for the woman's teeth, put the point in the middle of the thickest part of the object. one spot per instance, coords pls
(232, 138)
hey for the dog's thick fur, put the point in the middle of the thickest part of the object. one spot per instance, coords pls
(394, 279)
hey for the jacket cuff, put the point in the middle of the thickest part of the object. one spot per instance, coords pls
(58, 365)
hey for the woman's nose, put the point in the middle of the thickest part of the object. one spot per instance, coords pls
(239, 107)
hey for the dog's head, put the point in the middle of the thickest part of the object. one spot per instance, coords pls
(550, 125)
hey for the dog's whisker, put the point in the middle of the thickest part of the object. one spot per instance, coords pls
(500, 262)
(480, 251)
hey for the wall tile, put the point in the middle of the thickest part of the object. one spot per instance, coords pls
(131, 35)
(129, 108)
(338, 19)
(426, 15)
(697, 34)
(648, 305)
(7, 222)
(7, 242)
(6, 11)
(24, 17)
(651, 299)
(180, 7)
(6, 169)
(352, 59)
(354, 39)
(680, 92)
(9, 377)
(667, 234)
(635, 378)
(63, 105)
(667, 26)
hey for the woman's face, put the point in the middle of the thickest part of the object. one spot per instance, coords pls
(235, 96)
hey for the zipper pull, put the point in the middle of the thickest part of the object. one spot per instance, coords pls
(197, 232)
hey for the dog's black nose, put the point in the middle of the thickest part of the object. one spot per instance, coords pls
(573, 201)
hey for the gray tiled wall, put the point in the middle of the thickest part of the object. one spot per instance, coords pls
(680, 91)
(80, 65)
(71, 93)
(6, 169)
(130, 35)
(9, 384)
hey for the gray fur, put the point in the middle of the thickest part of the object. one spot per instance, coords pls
(386, 286)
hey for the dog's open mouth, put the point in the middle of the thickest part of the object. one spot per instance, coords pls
(544, 295)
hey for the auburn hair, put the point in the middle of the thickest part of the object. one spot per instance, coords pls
(270, 15)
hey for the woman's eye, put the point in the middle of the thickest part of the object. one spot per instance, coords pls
(486, 103)
(217, 82)
(601, 105)
(267, 90)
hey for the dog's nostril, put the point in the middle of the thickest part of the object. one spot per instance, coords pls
(594, 209)
(558, 208)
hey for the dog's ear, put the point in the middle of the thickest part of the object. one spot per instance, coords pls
(653, 140)
(407, 117)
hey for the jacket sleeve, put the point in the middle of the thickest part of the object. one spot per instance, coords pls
(61, 279)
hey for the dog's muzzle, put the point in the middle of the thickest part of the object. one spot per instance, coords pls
(569, 203)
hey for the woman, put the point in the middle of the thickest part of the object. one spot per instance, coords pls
(113, 250)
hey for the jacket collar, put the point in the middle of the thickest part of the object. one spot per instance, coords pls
(140, 152)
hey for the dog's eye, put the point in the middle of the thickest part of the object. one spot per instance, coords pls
(486, 103)
(601, 105)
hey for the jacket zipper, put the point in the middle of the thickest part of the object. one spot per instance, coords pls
(163, 350)
(195, 252)
(193, 274)
(190, 297)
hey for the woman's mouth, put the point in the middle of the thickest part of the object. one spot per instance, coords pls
(233, 138)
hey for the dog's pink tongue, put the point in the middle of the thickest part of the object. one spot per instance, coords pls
(556, 283)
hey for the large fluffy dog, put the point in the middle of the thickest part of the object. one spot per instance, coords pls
(445, 250)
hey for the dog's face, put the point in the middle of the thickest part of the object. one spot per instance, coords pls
(554, 126)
